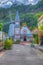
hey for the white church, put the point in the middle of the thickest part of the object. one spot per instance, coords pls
(23, 34)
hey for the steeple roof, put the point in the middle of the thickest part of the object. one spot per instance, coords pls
(17, 18)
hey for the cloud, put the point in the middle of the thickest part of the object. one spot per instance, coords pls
(9, 3)
(4, 3)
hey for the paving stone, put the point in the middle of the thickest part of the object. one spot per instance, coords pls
(21, 55)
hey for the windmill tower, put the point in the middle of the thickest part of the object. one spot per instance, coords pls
(17, 27)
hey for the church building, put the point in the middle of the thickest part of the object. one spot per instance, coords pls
(23, 34)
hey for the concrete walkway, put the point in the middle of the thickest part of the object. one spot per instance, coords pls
(22, 55)
(25, 43)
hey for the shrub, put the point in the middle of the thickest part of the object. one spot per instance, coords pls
(12, 40)
(35, 38)
(17, 42)
(0, 26)
(8, 43)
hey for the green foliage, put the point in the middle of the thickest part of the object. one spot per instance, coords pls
(22, 9)
(17, 42)
(37, 15)
(12, 39)
(35, 38)
(29, 13)
(29, 18)
(8, 43)
(0, 26)
(41, 27)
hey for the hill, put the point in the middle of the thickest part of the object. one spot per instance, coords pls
(28, 13)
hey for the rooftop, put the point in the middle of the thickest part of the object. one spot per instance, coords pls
(17, 17)
(40, 18)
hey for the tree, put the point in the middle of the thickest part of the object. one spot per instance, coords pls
(1, 26)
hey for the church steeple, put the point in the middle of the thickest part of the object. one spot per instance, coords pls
(17, 18)
(17, 26)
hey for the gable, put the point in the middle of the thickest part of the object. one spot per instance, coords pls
(41, 18)
(25, 30)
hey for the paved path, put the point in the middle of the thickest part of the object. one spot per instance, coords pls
(21, 55)
(25, 43)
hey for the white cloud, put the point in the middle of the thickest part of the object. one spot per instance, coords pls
(3, 1)
(31, 0)
(8, 2)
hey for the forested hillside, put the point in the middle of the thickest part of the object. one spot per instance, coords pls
(28, 13)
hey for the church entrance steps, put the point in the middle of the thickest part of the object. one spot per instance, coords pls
(25, 43)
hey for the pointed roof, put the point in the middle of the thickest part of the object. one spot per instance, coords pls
(28, 32)
(17, 18)
(41, 17)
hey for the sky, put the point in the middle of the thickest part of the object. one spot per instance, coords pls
(8, 2)
(18, 0)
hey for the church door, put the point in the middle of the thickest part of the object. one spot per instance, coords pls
(24, 38)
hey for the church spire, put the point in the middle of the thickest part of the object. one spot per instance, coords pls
(17, 18)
